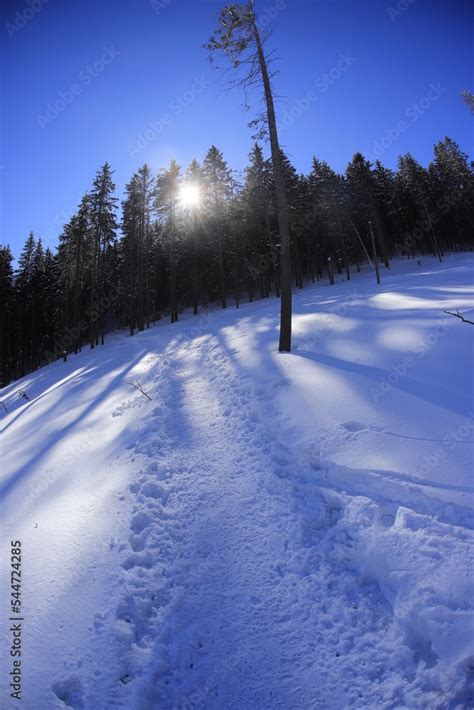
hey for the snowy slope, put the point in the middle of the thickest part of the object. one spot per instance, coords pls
(270, 531)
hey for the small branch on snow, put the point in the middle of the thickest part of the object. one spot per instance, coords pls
(138, 386)
(458, 315)
(22, 393)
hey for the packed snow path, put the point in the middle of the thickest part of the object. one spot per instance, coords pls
(267, 554)
(232, 626)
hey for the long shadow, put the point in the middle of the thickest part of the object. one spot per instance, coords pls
(57, 435)
(434, 394)
(77, 373)
(361, 481)
(430, 392)
(48, 391)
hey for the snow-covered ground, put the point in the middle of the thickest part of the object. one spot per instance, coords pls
(270, 531)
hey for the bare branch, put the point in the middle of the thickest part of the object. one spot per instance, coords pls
(138, 386)
(458, 315)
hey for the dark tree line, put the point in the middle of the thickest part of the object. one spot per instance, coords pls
(167, 252)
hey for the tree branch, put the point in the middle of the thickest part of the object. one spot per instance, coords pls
(458, 315)
(138, 386)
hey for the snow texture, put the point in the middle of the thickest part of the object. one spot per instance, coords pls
(270, 531)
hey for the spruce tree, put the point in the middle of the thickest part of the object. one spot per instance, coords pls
(7, 316)
(219, 187)
(166, 203)
(103, 225)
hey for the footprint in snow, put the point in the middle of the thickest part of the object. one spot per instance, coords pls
(151, 489)
(140, 521)
(355, 427)
(70, 692)
(138, 559)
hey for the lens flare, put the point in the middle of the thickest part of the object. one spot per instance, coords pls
(190, 195)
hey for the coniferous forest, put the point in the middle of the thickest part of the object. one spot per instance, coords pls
(161, 251)
(236, 376)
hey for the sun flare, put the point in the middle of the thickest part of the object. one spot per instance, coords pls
(190, 195)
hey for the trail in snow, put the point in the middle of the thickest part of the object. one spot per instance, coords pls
(270, 531)
(239, 587)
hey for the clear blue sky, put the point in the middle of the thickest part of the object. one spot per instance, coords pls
(113, 66)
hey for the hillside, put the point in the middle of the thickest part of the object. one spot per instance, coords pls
(268, 530)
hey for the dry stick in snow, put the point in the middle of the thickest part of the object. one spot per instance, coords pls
(138, 386)
(458, 315)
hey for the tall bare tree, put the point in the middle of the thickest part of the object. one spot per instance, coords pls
(239, 38)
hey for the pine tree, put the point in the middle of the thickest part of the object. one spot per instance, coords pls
(329, 197)
(453, 189)
(219, 186)
(167, 195)
(7, 316)
(103, 226)
(195, 178)
(50, 304)
(75, 267)
(257, 201)
(364, 205)
(385, 196)
(24, 299)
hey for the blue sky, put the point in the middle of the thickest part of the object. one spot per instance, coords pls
(128, 81)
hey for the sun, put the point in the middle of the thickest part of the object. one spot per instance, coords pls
(190, 195)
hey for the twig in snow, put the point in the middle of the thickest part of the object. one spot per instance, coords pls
(458, 315)
(4, 406)
(22, 393)
(138, 386)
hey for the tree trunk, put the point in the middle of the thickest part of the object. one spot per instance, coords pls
(330, 271)
(173, 297)
(374, 253)
(272, 251)
(195, 267)
(280, 194)
(343, 244)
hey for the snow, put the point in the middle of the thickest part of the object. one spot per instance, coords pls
(270, 530)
